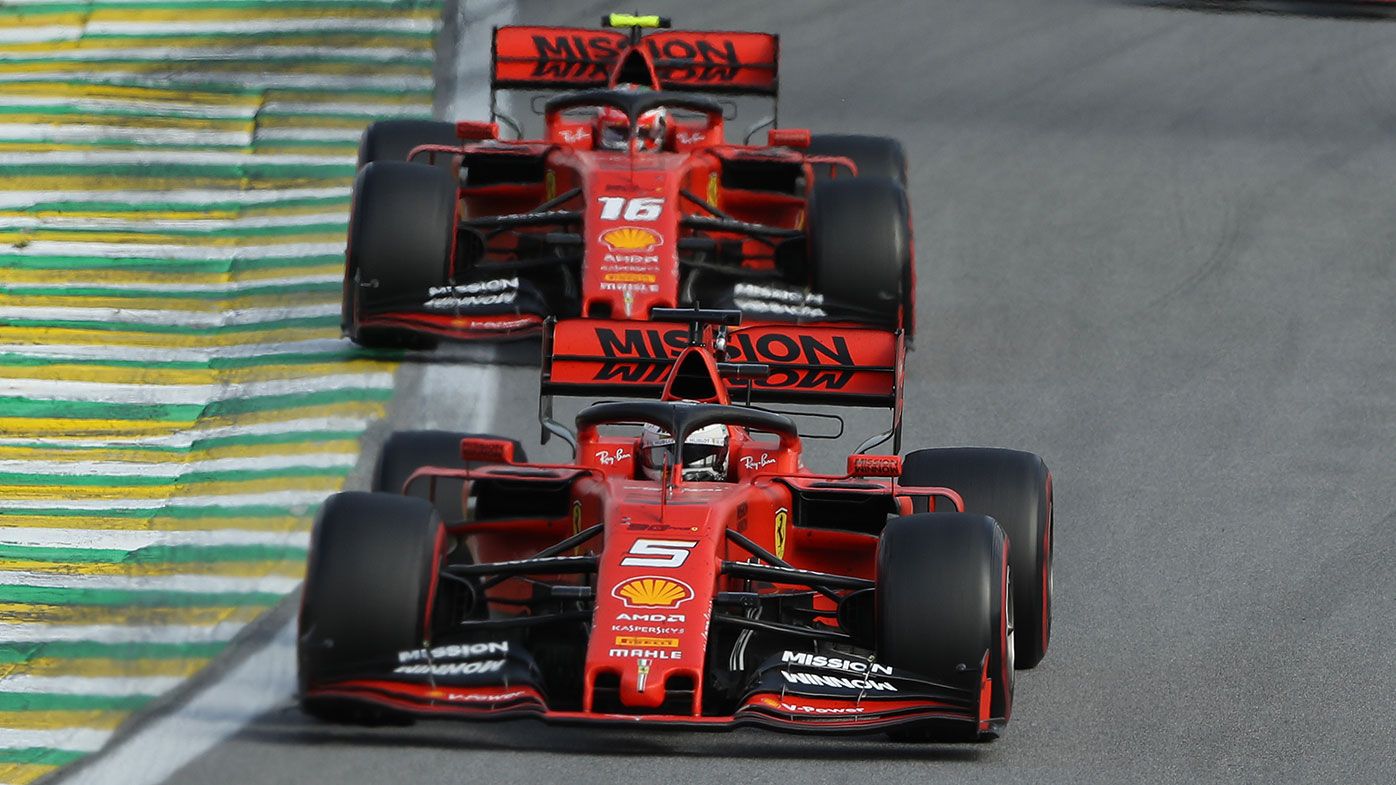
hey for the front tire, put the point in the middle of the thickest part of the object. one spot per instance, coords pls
(370, 582)
(860, 246)
(1014, 488)
(401, 233)
(943, 604)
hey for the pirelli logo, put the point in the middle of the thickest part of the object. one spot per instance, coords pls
(658, 643)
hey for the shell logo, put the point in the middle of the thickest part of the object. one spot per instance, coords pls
(632, 238)
(652, 592)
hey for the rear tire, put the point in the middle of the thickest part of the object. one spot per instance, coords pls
(875, 156)
(860, 245)
(392, 140)
(370, 579)
(943, 603)
(407, 451)
(1015, 488)
(401, 232)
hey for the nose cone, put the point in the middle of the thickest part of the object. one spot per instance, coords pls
(655, 589)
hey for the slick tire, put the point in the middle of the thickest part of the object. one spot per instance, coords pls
(860, 246)
(369, 585)
(943, 603)
(392, 140)
(875, 156)
(401, 231)
(1015, 489)
(407, 451)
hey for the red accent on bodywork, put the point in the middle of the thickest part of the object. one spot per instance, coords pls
(510, 325)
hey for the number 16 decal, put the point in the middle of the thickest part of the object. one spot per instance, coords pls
(657, 553)
(640, 208)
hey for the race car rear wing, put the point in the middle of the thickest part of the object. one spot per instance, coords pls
(532, 58)
(759, 363)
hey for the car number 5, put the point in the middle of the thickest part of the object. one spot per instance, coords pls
(657, 553)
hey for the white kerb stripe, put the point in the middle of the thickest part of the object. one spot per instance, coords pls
(121, 633)
(75, 739)
(180, 252)
(90, 685)
(263, 681)
(171, 469)
(18, 199)
(134, 540)
(142, 394)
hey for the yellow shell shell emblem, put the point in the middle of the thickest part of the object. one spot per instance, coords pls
(653, 592)
(631, 238)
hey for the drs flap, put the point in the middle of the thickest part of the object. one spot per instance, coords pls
(808, 364)
(696, 61)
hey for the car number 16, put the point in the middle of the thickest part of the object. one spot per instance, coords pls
(641, 208)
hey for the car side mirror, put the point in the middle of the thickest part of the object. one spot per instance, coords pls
(798, 138)
(476, 130)
(486, 450)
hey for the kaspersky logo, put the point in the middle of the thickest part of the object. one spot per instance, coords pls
(652, 591)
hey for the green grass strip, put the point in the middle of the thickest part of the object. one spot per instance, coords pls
(289, 290)
(25, 407)
(38, 701)
(24, 652)
(176, 268)
(327, 203)
(40, 756)
(116, 598)
(290, 437)
(156, 554)
(36, 480)
(330, 320)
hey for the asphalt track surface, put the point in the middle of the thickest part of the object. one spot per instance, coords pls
(1156, 246)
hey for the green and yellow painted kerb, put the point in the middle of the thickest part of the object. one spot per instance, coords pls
(175, 399)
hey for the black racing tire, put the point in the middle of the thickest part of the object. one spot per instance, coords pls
(1014, 488)
(392, 140)
(370, 578)
(860, 245)
(875, 156)
(943, 602)
(405, 452)
(401, 231)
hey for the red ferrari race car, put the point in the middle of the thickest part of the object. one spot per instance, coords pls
(632, 199)
(686, 569)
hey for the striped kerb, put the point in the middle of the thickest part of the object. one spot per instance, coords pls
(175, 400)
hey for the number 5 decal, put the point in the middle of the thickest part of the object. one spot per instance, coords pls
(658, 553)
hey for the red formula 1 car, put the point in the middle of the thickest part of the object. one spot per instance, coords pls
(685, 570)
(633, 198)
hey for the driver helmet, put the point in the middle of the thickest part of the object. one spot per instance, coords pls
(613, 129)
(704, 454)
